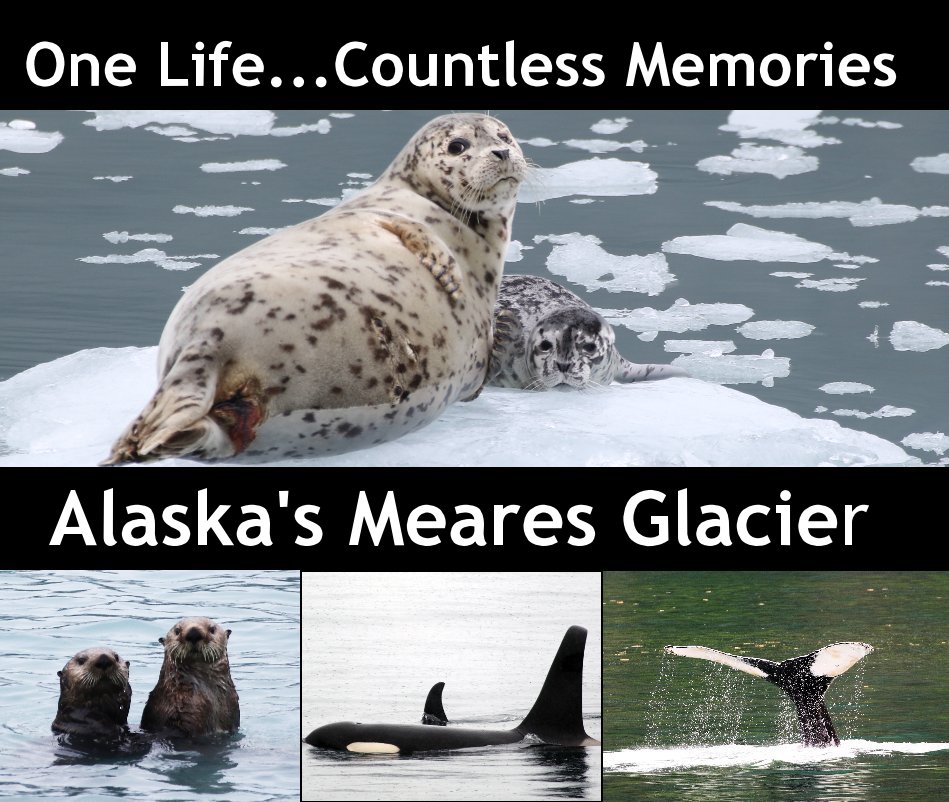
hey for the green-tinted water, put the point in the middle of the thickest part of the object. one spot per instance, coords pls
(684, 729)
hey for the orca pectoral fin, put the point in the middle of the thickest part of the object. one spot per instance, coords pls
(434, 712)
(748, 665)
(834, 660)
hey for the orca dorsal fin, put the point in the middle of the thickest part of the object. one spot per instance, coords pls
(557, 715)
(434, 712)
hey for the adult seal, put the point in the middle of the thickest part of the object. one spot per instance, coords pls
(94, 696)
(350, 329)
(546, 336)
(195, 694)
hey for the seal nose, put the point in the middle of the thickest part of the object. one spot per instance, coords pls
(194, 635)
(104, 662)
(563, 367)
(503, 154)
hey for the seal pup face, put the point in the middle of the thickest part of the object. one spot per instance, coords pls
(467, 163)
(194, 641)
(571, 347)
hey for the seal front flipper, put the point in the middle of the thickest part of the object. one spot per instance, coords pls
(434, 710)
(805, 679)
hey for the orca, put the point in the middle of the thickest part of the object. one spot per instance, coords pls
(434, 713)
(805, 679)
(555, 718)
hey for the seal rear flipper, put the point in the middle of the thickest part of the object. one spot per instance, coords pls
(434, 712)
(628, 372)
(557, 715)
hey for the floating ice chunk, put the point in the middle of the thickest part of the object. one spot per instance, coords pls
(596, 177)
(830, 284)
(243, 167)
(779, 161)
(537, 142)
(21, 136)
(154, 255)
(14, 171)
(937, 283)
(171, 130)
(361, 176)
(931, 164)
(647, 336)
(241, 122)
(680, 317)
(709, 347)
(605, 145)
(872, 304)
(844, 388)
(583, 201)
(610, 126)
(867, 123)
(751, 243)
(316, 201)
(261, 231)
(820, 409)
(790, 274)
(674, 422)
(736, 368)
(873, 212)
(115, 179)
(788, 126)
(874, 337)
(120, 237)
(342, 115)
(582, 260)
(943, 249)
(936, 442)
(938, 267)
(887, 411)
(212, 211)
(908, 335)
(775, 329)
(322, 126)
(515, 251)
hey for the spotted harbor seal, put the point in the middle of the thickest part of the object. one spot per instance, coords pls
(94, 696)
(195, 694)
(350, 329)
(546, 336)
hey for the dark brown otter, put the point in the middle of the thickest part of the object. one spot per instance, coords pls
(94, 696)
(195, 694)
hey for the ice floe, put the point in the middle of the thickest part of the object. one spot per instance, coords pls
(872, 212)
(153, 255)
(69, 411)
(910, 335)
(775, 329)
(235, 122)
(260, 231)
(860, 122)
(605, 145)
(790, 274)
(791, 127)
(937, 283)
(115, 179)
(777, 160)
(14, 171)
(830, 284)
(751, 243)
(610, 126)
(243, 167)
(120, 237)
(315, 201)
(937, 442)
(887, 411)
(581, 259)
(682, 316)
(931, 164)
(845, 388)
(515, 251)
(212, 211)
(596, 177)
(537, 142)
(21, 136)
(710, 347)
(736, 368)
(872, 304)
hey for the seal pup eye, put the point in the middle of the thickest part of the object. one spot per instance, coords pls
(458, 146)
(82, 660)
(546, 345)
(504, 137)
(589, 348)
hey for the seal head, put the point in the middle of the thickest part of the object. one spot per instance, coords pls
(94, 696)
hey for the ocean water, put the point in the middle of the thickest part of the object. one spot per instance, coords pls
(375, 643)
(49, 616)
(677, 728)
(799, 257)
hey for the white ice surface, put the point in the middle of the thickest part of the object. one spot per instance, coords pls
(605, 145)
(943, 249)
(830, 284)
(710, 347)
(736, 368)
(212, 211)
(775, 329)
(243, 167)
(887, 411)
(910, 335)
(115, 179)
(154, 255)
(792, 127)
(931, 164)
(752, 243)
(937, 442)
(537, 142)
(119, 237)
(581, 259)
(260, 231)
(13, 172)
(845, 388)
(596, 177)
(872, 304)
(777, 160)
(872, 212)
(610, 126)
(68, 412)
(515, 251)
(237, 122)
(682, 316)
(20, 138)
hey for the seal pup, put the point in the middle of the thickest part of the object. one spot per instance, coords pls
(94, 696)
(805, 679)
(195, 694)
(349, 329)
(545, 336)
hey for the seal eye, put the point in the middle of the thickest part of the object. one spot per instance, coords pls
(82, 660)
(504, 137)
(212, 630)
(545, 345)
(458, 146)
(177, 630)
(589, 348)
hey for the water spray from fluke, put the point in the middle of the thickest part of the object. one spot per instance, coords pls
(805, 679)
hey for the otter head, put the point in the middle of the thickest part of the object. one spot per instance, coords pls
(94, 693)
(470, 164)
(195, 641)
(572, 347)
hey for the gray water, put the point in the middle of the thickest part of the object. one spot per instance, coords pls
(374, 643)
(47, 617)
(52, 305)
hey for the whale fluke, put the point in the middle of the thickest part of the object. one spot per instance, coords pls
(805, 679)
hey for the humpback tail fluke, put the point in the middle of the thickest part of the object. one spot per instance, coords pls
(434, 712)
(557, 716)
(805, 679)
